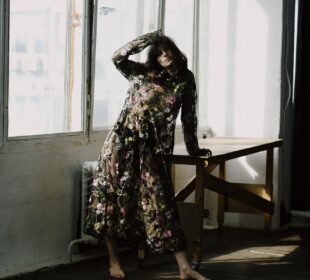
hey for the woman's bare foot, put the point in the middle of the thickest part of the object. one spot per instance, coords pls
(116, 271)
(189, 273)
(186, 271)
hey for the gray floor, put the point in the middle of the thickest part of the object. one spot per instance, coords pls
(230, 254)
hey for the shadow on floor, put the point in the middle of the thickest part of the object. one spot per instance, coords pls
(230, 254)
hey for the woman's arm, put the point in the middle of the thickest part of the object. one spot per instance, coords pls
(189, 120)
(128, 67)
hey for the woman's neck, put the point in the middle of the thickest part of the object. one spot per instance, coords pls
(172, 70)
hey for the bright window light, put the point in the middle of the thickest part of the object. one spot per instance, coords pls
(240, 67)
(45, 70)
(250, 170)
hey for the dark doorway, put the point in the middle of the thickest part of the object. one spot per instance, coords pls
(300, 191)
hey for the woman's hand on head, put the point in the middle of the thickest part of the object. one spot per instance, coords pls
(159, 34)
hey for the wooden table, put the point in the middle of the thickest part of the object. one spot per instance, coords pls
(224, 149)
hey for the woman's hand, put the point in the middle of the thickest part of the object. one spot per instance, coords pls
(157, 35)
(202, 152)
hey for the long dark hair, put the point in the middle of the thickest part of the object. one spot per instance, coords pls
(166, 43)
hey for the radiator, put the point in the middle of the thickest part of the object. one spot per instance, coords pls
(88, 171)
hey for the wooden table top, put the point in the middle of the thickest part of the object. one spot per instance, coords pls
(224, 148)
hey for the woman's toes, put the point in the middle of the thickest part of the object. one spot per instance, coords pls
(116, 271)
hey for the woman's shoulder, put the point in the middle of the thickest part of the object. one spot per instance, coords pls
(188, 76)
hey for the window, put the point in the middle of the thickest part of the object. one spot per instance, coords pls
(235, 86)
(45, 69)
(118, 22)
(239, 67)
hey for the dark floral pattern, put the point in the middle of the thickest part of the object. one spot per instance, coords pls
(131, 196)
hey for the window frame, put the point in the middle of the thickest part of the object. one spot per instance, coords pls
(4, 48)
(91, 76)
(102, 132)
(3, 72)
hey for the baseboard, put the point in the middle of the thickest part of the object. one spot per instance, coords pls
(22, 270)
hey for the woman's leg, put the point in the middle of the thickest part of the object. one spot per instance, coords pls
(115, 266)
(186, 271)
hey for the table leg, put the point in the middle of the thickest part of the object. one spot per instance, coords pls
(199, 199)
(222, 199)
(268, 181)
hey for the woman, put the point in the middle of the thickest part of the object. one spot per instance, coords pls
(132, 195)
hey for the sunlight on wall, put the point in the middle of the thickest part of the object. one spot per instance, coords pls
(252, 172)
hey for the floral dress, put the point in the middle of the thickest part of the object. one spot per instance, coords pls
(131, 196)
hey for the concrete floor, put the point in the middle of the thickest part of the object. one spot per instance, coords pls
(230, 254)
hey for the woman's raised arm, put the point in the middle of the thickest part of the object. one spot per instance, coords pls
(128, 67)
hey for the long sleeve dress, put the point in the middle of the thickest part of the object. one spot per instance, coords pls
(132, 196)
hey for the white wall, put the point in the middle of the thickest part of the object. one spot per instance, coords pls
(39, 182)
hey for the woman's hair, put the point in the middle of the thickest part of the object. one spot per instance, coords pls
(166, 43)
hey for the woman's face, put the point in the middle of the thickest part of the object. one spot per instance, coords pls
(164, 57)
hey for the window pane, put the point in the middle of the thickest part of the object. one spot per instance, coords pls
(240, 67)
(179, 25)
(45, 91)
(118, 22)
